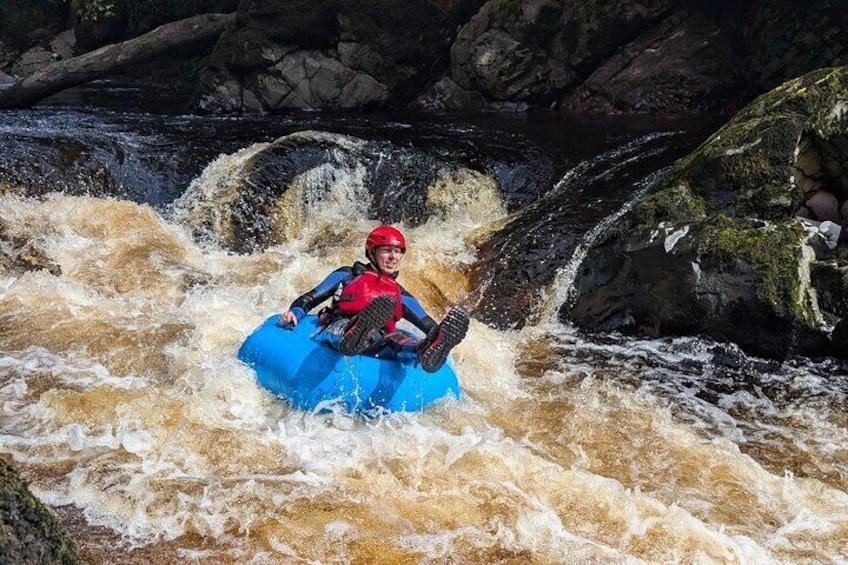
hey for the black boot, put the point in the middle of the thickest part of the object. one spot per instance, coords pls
(433, 351)
(358, 334)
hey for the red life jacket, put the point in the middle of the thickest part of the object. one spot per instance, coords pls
(359, 293)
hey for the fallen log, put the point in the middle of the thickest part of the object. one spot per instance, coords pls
(58, 76)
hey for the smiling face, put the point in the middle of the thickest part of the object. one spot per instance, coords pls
(387, 258)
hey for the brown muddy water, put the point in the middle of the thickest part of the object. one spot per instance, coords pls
(123, 404)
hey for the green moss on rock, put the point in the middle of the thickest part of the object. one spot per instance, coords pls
(746, 168)
(773, 251)
(674, 204)
(29, 532)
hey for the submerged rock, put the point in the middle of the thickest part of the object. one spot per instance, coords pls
(715, 246)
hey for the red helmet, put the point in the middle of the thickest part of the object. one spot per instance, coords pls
(384, 235)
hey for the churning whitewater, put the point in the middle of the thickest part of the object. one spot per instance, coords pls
(124, 404)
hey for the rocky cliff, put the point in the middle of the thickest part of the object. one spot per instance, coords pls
(604, 56)
(608, 56)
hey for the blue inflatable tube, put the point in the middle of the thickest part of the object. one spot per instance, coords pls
(305, 373)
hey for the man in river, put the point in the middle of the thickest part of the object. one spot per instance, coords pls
(368, 302)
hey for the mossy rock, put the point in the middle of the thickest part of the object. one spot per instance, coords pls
(733, 279)
(774, 252)
(29, 532)
(747, 168)
(714, 247)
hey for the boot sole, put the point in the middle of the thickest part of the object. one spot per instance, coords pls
(376, 315)
(452, 330)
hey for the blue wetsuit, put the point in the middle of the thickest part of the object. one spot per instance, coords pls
(391, 341)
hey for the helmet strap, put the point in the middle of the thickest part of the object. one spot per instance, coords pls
(372, 260)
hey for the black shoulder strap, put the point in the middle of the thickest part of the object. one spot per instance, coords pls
(359, 268)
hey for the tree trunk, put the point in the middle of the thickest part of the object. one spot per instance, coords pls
(96, 64)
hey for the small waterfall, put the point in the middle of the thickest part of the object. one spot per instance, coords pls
(562, 291)
(268, 193)
(524, 256)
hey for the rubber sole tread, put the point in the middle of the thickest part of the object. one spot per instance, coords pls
(452, 330)
(375, 316)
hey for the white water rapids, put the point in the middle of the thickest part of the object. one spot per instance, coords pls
(121, 400)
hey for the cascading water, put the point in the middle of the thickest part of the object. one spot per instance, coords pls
(122, 402)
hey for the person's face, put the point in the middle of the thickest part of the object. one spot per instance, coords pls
(388, 258)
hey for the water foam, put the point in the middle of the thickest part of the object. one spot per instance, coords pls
(127, 402)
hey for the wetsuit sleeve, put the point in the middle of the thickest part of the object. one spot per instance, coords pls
(325, 289)
(414, 312)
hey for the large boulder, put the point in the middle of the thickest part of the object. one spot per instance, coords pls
(717, 246)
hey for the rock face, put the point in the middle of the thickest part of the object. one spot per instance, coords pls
(512, 55)
(609, 56)
(325, 54)
(29, 533)
(635, 56)
(715, 247)
(683, 64)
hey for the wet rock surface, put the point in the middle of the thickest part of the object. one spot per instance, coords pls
(715, 247)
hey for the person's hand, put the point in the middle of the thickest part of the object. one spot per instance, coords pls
(287, 319)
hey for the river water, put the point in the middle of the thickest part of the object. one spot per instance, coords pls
(121, 399)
